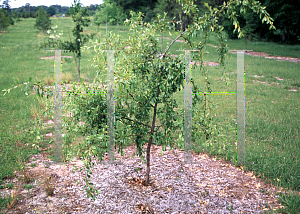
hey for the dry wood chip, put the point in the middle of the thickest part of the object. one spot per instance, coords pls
(211, 186)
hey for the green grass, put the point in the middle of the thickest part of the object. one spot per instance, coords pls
(272, 112)
(18, 60)
(28, 186)
(271, 48)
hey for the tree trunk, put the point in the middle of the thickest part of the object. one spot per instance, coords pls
(161, 42)
(283, 36)
(150, 142)
(180, 22)
(78, 68)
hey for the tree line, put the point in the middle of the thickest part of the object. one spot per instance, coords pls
(286, 16)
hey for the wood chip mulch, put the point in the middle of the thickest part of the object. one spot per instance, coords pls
(210, 186)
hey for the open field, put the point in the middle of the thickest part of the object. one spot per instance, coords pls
(272, 103)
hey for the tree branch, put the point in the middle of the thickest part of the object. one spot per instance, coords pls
(164, 54)
(135, 99)
(136, 122)
(73, 52)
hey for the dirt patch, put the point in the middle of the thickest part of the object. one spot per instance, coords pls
(206, 63)
(52, 57)
(290, 59)
(211, 63)
(254, 53)
(278, 78)
(212, 45)
(272, 83)
(87, 32)
(267, 56)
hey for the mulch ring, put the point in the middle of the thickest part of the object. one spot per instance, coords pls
(278, 78)
(206, 63)
(210, 186)
(52, 57)
(267, 56)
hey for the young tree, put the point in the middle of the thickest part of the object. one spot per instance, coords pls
(150, 78)
(80, 20)
(147, 78)
(4, 20)
(98, 18)
(42, 21)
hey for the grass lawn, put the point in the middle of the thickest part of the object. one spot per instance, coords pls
(272, 111)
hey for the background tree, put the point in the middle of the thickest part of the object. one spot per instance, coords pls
(176, 13)
(248, 23)
(98, 19)
(4, 20)
(70, 11)
(110, 8)
(80, 20)
(161, 7)
(121, 17)
(64, 9)
(27, 7)
(150, 15)
(43, 21)
(136, 6)
(51, 11)
(9, 13)
(286, 19)
(111, 11)
(6, 6)
(92, 9)
(57, 8)
(286, 16)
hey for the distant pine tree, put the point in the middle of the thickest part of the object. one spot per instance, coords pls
(43, 21)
